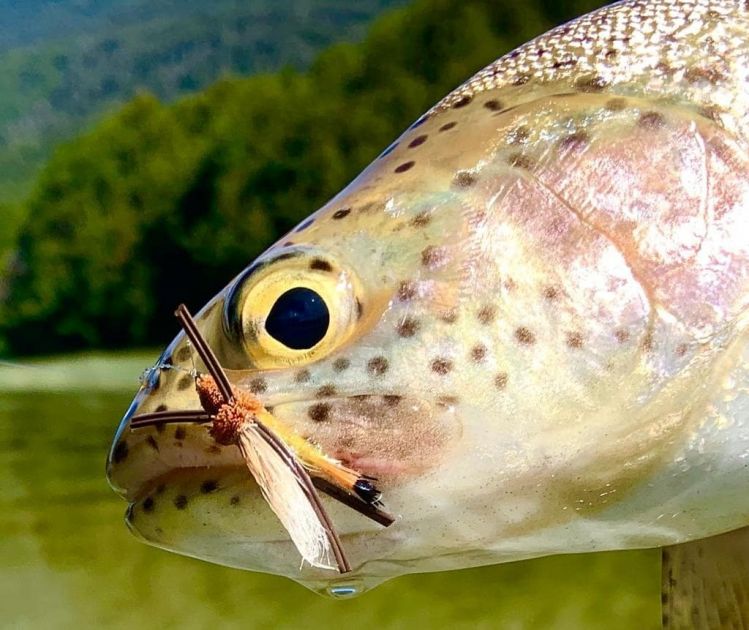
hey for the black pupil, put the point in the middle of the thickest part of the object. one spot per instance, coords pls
(299, 319)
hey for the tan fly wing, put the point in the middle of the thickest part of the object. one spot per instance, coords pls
(706, 583)
(287, 497)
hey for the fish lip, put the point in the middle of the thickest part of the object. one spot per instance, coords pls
(137, 488)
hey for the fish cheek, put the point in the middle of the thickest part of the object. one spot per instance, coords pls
(392, 438)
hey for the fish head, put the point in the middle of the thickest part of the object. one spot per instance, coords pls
(499, 320)
(338, 377)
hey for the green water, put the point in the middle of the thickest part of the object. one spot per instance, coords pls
(67, 560)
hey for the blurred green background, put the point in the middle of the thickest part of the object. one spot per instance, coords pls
(148, 151)
(68, 561)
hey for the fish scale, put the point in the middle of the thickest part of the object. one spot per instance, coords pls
(692, 52)
(537, 338)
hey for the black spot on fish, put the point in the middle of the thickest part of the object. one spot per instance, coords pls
(449, 316)
(551, 293)
(148, 504)
(208, 486)
(447, 126)
(525, 336)
(377, 365)
(326, 391)
(341, 364)
(441, 366)
(564, 63)
(487, 314)
(340, 214)
(591, 83)
(234, 500)
(185, 382)
(493, 105)
(651, 120)
(318, 264)
(708, 74)
(319, 412)
(462, 101)
(258, 385)
(406, 166)
(180, 433)
(418, 141)
(616, 104)
(183, 354)
(180, 501)
(500, 380)
(421, 220)
(478, 353)
(407, 291)
(302, 376)
(433, 257)
(575, 340)
(286, 256)
(519, 160)
(518, 135)
(464, 179)
(151, 441)
(120, 452)
(407, 327)
(574, 142)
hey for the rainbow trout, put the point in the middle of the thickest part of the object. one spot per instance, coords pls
(527, 319)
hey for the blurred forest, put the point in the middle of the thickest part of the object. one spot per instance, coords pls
(63, 62)
(163, 203)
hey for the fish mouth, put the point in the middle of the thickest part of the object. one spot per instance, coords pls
(219, 515)
(390, 438)
(190, 495)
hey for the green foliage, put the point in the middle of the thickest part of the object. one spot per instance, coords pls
(162, 204)
(49, 92)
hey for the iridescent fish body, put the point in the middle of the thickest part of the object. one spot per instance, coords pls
(537, 338)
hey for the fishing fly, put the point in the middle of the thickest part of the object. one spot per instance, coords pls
(287, 468)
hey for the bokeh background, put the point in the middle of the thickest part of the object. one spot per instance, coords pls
(149, 150)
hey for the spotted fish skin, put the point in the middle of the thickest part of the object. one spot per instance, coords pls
(539, 299)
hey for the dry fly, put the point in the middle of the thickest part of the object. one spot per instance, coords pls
(281, 461)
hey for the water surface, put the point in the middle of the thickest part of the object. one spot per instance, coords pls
(68, 561)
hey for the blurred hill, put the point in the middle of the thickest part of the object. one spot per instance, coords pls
(63, 62)
(165, 203)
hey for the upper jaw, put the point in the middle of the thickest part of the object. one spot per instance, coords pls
(366, 432)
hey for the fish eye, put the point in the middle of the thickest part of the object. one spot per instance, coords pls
(299, 319)
(292, 309)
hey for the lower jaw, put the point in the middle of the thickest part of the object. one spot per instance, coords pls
(229, 523)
